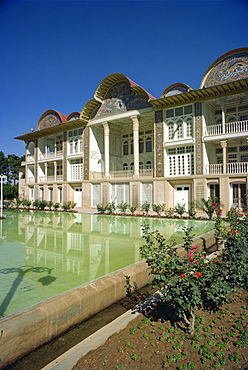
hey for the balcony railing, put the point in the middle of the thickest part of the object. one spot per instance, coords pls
(50, 155)
(237, 167)
(217, 169)
(229, 128)
(128, 174)
(31, 180)
(50, 178)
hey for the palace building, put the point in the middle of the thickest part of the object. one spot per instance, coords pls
(127, 146)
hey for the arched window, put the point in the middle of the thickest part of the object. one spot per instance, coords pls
(148, 144)
(125, 167)
(141, 165)
(125, 148)
(148, 165)
(141, 145)
(131, 166)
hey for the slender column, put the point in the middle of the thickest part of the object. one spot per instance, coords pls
(136, 145)
(106, 149)
(55, 170)
(46, 165)
(223, 117)
(224, 145)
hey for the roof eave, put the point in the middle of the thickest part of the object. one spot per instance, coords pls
(229, 88)
(70, 125)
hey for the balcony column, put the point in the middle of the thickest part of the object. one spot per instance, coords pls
(46, 166)
(106, 149)
(55, 170)
(223, 116)
(136, 145)
(224, 145)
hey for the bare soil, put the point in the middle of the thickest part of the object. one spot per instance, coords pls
(154, 340)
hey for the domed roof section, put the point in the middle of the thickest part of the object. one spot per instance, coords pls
(229, 67)
(73, 116)
(175, 89)
(114, 95)
(111, 80)
(51, 118)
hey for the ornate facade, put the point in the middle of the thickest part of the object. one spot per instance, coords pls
(127, 146)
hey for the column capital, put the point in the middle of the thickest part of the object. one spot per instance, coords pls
(135, 122)
(222, 102)
(106, 128)
(223, 143)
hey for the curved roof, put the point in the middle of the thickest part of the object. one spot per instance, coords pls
(51, 118)
(177, 88)
(114, 78)
(88, 109)
(73, 114)
(229, 67)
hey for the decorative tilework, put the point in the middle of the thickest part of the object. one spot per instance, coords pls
(179, 89)
(159, 143)
(121, 98)
(198, 137)
(234, 67)
(49, 121)
(86, 135)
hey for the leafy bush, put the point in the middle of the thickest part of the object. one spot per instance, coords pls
(56, 206)
(101, 208)
(111, 207)
(157, 208)
(133, 209)
(26, 203)
(50, 204)
(209, 206)
(124, 206)
(180, 209)
(187, 282)
(145, 207)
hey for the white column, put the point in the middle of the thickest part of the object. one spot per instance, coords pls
(136, 145)
(55, 170)
(106, 149)
(223, 117)
(224, 145)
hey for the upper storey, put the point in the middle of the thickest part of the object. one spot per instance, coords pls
(118, 95)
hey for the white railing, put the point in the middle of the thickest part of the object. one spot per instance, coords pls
(50, 178)
(234, 127)
(30, 158)
(31, 180)
(97, 175)
(230, 128)
(146, 173)
(237, 167)
(214, 169)
(121, 174)
(213, 130)
(42, 178)
(51, 155)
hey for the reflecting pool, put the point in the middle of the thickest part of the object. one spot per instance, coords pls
(43, 254)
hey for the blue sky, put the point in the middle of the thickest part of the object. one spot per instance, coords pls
(54, 53)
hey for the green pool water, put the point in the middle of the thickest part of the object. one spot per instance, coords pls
(43, 254)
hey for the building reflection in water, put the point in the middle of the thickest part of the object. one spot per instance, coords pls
(75, 248)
